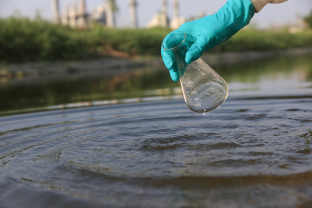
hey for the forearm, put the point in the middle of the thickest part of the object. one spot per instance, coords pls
(231, 18)
(259, 4)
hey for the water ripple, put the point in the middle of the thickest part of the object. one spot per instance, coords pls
(160, 153)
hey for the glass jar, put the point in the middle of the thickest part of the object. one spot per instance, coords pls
(203, 89)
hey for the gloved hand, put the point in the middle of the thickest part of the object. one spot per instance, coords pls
(210, 31)
(259, 4)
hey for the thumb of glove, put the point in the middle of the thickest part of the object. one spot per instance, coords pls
(196, 50)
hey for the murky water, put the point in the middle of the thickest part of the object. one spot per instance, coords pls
(253, 151)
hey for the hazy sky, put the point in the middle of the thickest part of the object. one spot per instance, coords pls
(271, 14)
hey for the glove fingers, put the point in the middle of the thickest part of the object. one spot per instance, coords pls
(171, 58)
(193, 53)
(196, 50)
(170, 64)
(174, 75)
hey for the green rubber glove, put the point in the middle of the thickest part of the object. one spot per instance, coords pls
(210, 31)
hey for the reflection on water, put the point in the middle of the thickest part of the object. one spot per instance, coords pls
(37, 93)
(282, 76)
(254, 151)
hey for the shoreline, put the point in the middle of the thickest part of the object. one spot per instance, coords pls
(115, 66)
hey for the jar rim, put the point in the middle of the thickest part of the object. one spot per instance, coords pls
(173, 48)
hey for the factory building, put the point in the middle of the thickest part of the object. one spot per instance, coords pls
(75, 14)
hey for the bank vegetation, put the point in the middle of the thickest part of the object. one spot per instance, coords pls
(24, 40)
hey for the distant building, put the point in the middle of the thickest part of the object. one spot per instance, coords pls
(104, 15)
(161, 19)
(75, 15)
(99, 15)
(65, 19)
(110, 13)
(133, 13)
(177, 21)
(298, 26)
(56, 11)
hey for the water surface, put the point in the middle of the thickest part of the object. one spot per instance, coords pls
(253, 151)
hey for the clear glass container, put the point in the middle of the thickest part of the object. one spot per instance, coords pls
(203, 89)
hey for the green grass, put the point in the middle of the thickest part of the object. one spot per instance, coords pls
(22, 40)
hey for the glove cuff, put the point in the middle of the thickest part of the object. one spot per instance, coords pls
(259, 4)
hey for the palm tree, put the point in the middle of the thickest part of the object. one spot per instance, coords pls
(113, 5)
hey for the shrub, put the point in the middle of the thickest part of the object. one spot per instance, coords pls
(22, 39)
(308, 19)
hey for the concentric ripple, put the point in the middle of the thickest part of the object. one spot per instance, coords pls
(249, 152)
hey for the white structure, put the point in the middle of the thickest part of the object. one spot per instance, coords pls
(177, 21)
(298, 26)
(56, 11)
(65, 17)
(164, 7)
(110, 20)
(161, 19)
(73, 15)
(133, 13)
(82, 15)
(99, 15)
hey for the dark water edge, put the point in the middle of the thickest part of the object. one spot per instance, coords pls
(247, 153)
(264, 76)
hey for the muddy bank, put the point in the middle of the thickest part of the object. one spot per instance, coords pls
(113, 66)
